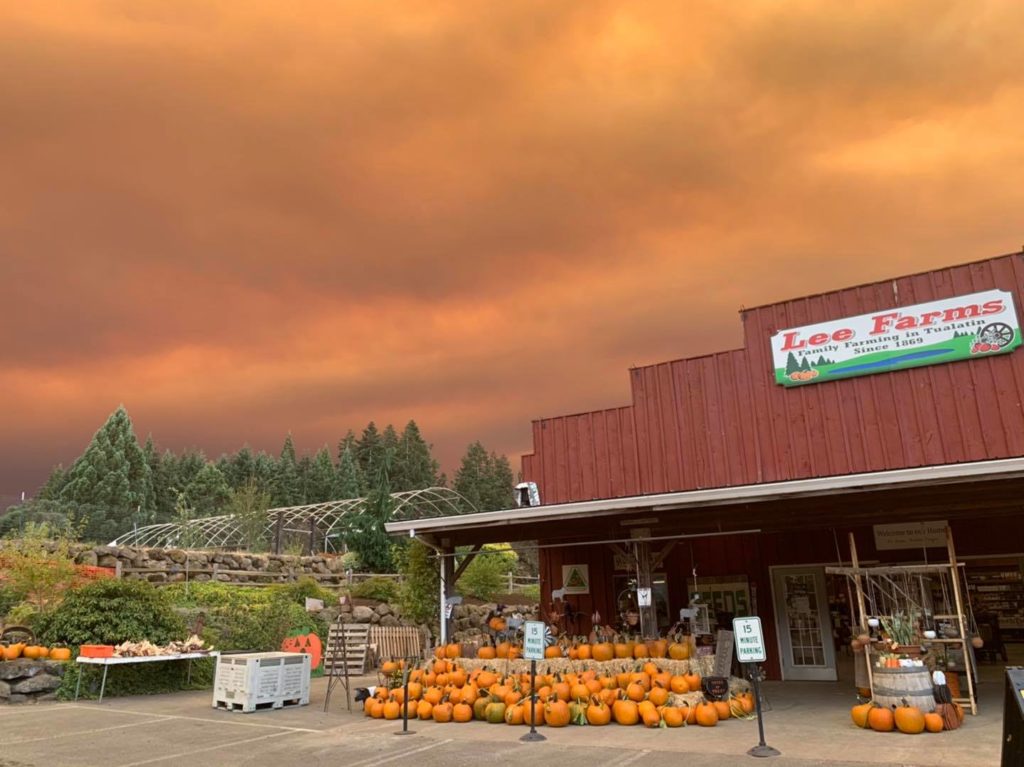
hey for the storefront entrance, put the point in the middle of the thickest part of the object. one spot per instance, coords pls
(806, 647)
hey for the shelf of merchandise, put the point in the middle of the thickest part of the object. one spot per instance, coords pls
(997, 586)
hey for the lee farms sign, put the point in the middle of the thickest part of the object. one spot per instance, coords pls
(959, 328)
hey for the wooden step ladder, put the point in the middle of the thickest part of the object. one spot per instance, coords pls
(348, 649)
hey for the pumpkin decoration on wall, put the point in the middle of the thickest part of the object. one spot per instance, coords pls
(305, 643)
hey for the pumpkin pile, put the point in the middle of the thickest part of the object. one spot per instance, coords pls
(907, 719)
(619, 647)
(444, 691)
(33, 652)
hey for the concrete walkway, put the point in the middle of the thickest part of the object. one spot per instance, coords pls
(808, 722)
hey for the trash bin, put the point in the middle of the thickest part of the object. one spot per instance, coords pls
(1013, 718)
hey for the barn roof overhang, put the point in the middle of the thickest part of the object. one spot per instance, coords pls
(927, 492)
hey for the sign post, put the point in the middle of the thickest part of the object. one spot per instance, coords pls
(406, 665)
(533, 650)
(750, 649)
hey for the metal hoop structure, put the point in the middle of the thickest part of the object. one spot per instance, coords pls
(330, 520)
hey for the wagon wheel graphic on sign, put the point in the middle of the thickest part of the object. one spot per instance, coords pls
(998, 334)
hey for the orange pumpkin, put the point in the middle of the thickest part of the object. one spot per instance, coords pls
(502, 649)
(678, 685)
(556, 713)
(514, 714)
(44, 652)
(909, 720)
(658, 695)
(442, 712)
(881, 719)
(452, 650)
(692, 680)
(722, 707)
(673, 716)
(707, 714)
(625, 712)
(679, 650)
(424, 709)
(487, 652)
(392, 709)
(933, 722)
(859, 714)
(583, 652)
(553, 651)
(658, 648)
(462, 712)
(598, 713)
(603, 651)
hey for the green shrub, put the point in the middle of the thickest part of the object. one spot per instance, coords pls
(381, 589)
(532, 592)
(22, 614)
(111, 612)
(214, 594)
(9, 597)
(487, 575)
(302, 589)
(418, 594)
(259, 628)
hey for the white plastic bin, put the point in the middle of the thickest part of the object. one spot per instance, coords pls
(261, 680)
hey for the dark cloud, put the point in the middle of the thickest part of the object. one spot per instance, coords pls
(241, 220)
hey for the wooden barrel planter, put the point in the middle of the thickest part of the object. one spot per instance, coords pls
(913, 684)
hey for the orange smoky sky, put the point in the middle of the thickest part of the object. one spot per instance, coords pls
(242, 219)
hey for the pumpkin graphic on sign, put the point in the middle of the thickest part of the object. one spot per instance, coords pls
(307, 643)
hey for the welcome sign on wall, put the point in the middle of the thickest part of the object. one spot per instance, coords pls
(965, 327)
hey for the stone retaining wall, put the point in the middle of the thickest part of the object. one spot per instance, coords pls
(29, 681)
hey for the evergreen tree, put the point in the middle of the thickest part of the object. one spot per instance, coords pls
(792, 365)
(320, 481)
(821, 361)
(370, 452)
(208, 493)
(287, 487)
(183, 469)
(349, 482)
(485, 480)
(163, 493)
(305, 468)
(249, 504)
(265, 471)
(414, 466)
(239, 468)
(805, 364)
(54, 484)
(110, 482)
(366, 534)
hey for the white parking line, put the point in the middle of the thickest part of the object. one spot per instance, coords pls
(225, 720)
(219, 746)
(73, 733)
(373, 761)
(628, 759)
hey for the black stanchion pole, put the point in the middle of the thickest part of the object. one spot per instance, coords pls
(405, 700)
(533, 735)
(761, 749)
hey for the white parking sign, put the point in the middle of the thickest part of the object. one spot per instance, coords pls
(533, 640)
(749, 640)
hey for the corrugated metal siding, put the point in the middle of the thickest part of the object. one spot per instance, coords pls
(722, 420)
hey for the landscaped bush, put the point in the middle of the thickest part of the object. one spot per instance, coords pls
(487, 575)
(304, 588)
(111, 612)
(9, 597)
(381, 589)
(213, 594)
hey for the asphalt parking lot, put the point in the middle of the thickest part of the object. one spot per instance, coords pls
(808, 723)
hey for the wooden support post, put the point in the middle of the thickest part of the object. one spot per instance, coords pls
(855, 562)
(278, 533)
(465, 563)
(446, 560)
(648, 613)
(965, 640)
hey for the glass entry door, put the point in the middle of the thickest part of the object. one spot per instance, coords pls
(802, 620)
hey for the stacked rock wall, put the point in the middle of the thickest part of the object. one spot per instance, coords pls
(29, 681)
